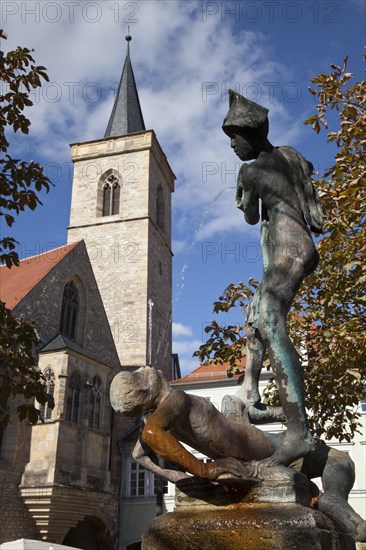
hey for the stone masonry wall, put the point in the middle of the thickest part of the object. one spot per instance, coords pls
(120, 246)
(120, 267)
(42, 305)
(160, 265)
(15, 520)
(65, 452)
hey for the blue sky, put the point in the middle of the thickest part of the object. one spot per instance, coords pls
(186, 55)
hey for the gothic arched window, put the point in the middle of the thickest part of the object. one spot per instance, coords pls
(69, 311)
(160, 209)
(95, 403)
(45, 410)
(106, 199)
(73, 397)
(111, 195)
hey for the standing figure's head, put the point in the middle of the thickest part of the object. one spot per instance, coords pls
(134, 393)
(246, 124)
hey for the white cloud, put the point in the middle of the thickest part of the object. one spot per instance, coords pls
(181, 330)
(186, 346)
(178, 246)
(183, 68)
(185, 350)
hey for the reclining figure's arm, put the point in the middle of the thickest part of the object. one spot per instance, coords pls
(156, 435)
(176, 409)
(143, 458)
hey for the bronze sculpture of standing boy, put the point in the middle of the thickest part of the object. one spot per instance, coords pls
(279, 180)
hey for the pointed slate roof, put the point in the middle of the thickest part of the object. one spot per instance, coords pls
(17, 282)
(60, 342)
(126, 116)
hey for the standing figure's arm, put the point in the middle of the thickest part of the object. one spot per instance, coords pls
(247, 198)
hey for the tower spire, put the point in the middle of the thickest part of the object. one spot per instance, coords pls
(126, 116)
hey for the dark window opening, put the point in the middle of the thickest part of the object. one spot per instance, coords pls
(73, 398)
(69, 311)
(137, 480)
(45, 410)
(106, 199)
(111, 196)
(116, 190)
(160, 484)
(95, 403)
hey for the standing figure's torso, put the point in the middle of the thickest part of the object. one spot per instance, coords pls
(284, 230)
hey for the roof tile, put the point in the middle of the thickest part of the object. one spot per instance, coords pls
(207, 373)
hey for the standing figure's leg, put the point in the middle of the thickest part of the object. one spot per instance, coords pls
(255, 350)
(236, 406)
(278, 290)
(240, 405)
(246, 404)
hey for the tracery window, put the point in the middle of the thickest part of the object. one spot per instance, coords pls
(111, 195)
(73, 397)
(69, 311)
(95, 403)
(45, 410)
(160, 209)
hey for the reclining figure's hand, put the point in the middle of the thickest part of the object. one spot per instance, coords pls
(226, 467)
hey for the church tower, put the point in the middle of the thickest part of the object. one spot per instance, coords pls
(121, 208)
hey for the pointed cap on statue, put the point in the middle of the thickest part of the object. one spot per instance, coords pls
(243, 113)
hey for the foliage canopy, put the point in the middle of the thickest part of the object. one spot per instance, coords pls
(20, 183)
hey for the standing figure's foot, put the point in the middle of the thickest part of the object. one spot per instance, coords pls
(237, 410)
(291, 449)
(260, 413)
(233, 408)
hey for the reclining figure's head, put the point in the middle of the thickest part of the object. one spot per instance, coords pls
(133, 393)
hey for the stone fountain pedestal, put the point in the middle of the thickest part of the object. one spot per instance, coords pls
(273, 513)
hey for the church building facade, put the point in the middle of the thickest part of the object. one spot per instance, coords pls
(121, 208)
(100, 303)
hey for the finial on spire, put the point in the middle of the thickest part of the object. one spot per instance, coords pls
(128, 38)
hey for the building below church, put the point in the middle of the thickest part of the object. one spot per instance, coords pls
(60, 477)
